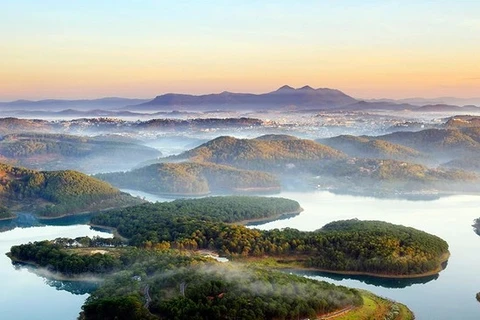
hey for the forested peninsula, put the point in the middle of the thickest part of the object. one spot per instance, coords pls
(371, 247)
(161, 273)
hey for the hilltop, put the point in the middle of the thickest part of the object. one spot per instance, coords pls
(57, 193)
(261, 154)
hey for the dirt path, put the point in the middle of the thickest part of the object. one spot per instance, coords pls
(335, 314)
(146, 293)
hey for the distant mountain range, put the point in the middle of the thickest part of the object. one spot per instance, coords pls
(58, 104)
(285, 98)
(432, 101)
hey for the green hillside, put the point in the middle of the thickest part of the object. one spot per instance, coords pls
(55, 193)
(391, 176)
(210, 290)
(192, 178)
(439, 143)
(261, 154)
(365, 147)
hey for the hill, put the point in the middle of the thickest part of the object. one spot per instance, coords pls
(270, 154)
(442, 144)
(467, 163)
(305, 97)
(166, 284)
(365, 147)
(461, 121)
(187, 178)
(392, 177)
(57, 193)
(60, 151)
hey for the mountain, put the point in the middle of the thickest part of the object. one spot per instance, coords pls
(56, 104)
(192, 179)
(447, 108)
(286, 96)
(378, 105)
(418, 101)
(260, 154)
(57, 193)
(61, 151)
(365, 147)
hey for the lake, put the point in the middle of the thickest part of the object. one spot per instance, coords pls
(25, 295)
(451, 295)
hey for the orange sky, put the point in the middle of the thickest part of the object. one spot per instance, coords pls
(377, 51)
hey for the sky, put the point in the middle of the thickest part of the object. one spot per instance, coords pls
(367, 48)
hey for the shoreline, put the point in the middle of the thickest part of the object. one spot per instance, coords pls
(42, 272)
(259, 221)
(173, 195)
(444, 258)
(112, 229)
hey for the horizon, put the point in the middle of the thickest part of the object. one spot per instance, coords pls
(234, 92)
(86, 50)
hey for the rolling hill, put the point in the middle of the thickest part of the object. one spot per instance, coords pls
(443, 144)
(265, 153)
(365, 147)
(57, 193)
(60, 152)
(187, 178)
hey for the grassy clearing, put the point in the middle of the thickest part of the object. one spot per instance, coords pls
(376, 308)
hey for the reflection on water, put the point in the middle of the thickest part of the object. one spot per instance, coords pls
(74, 287)
(374, 281)
(448, 295)
(28, 220)
(58, 300)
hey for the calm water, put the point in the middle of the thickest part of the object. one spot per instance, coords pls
(451, 295)
(26, 296)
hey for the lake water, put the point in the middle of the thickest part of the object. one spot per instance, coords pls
(451, 295)
(26, 296)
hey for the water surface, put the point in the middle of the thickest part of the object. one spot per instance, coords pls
(25, 295)
(450, 295)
